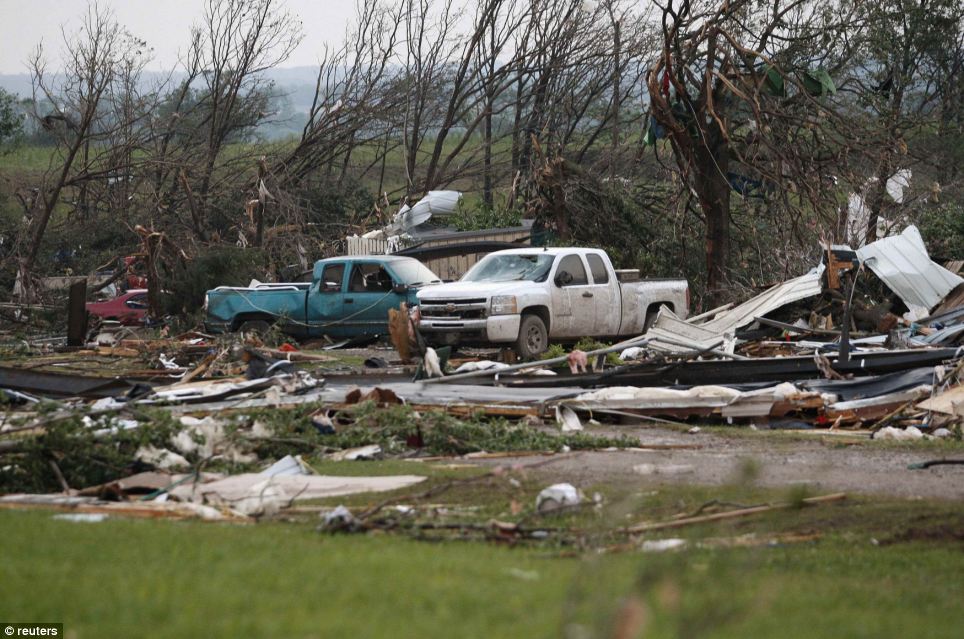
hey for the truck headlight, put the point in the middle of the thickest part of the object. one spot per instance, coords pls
(503, 305)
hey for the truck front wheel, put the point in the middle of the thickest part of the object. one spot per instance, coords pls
(533, 338)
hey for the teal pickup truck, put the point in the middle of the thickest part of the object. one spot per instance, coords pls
(347, 297)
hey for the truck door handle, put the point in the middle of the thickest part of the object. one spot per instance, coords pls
(587, 294)
(348, 300)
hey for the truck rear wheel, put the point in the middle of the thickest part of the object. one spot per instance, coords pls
(533, 338)
(258, 327)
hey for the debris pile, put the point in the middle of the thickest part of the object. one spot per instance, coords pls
(143, 424)
(867, 339)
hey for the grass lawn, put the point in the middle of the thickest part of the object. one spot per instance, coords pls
(121, 578)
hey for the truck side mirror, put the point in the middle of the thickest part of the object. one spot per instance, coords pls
(563, 278)
(400, 289)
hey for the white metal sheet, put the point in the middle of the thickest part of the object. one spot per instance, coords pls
(903, 264)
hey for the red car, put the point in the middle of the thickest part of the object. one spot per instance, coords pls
(129, 309)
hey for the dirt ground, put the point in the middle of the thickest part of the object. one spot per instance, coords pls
(778, 459)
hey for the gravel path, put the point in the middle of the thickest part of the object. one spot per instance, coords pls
(825, 463)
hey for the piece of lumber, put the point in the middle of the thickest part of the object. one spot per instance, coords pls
(115, 351)
(731, 514)
(202, 366)
(298, 356)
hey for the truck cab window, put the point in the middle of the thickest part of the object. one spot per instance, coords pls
(573, 265)
(331, 278)
(598, 269)
(370, 278)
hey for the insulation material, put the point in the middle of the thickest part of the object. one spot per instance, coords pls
(760, 402)
(730, 402)
(903, 264)
(646, 398)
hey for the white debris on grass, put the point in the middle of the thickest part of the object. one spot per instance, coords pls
(911, 433)
(557, 496)
(567, 419)
(161, 458)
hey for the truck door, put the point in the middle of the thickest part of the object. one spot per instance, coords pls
(325, 304)
(368, 298)
(573, 300)
(605, 295)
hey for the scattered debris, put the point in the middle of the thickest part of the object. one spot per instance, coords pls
(137, 423)
(911, 433)
(556, 497)
(567, 419)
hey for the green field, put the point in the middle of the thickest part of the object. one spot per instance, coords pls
(879, 569)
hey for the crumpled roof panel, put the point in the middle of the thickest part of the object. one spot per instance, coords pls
(902, 263)
(722, 326)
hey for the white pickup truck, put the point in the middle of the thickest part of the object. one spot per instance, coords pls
(529, 296)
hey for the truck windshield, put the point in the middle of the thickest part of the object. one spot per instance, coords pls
(533, 267)
(414, 273)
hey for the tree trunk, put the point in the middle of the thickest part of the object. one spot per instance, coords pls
(617, 80)
(713, 190)
(487, 198)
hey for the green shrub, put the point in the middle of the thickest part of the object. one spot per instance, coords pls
(222, 266)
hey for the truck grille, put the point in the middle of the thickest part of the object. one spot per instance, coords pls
(448, 309)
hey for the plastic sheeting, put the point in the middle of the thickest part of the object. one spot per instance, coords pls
(299, 487)
(434, 203)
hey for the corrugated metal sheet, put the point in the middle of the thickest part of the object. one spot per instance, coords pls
(903, 264)
(724, 325)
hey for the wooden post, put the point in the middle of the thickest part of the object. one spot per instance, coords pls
(77, 313)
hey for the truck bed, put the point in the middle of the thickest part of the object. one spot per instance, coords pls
(285, 300)
(643, 297)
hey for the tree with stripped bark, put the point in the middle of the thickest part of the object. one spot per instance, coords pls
(746, 93)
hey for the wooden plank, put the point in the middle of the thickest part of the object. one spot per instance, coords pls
(77, 314)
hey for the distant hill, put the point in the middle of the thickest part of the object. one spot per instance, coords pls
(18, 83)
(297, 84)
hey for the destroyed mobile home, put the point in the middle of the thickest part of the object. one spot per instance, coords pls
(868, 342)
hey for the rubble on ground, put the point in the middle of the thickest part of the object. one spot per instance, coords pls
(140, 423)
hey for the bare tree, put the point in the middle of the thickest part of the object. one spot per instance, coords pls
(904, 73)
(236, 42)
(354, 100)
(95, 116)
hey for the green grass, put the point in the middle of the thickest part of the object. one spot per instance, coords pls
(26, 157)
(127, 578)
(119, 578)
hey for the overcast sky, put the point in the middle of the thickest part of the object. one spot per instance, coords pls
(165, 24)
